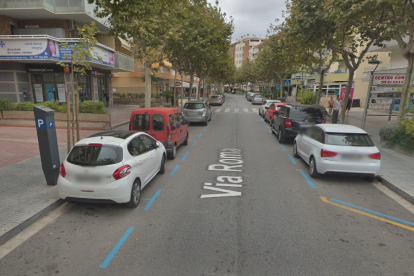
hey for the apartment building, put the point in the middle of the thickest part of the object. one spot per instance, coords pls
(31, 37)
(245, 48)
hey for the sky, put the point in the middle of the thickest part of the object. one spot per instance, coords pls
(252, 16)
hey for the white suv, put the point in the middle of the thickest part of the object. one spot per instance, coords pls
(111, 166)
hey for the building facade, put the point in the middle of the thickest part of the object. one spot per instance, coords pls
(32, 39)
(245, 48)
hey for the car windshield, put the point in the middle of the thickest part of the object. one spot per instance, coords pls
(95, 155)
(257, 96)
(349, 139)
(301, 113)
(194, 106)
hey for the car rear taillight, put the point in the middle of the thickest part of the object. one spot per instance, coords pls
(288, 123)
(375, 156)
(62, 170)
(323, 122)
(327, 153)
(122, 172)
(168, 133)
(95, 145)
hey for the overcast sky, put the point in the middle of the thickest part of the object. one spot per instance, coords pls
(252, 16)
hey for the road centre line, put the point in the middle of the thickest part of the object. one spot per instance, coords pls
(194, 143)
(367, 214)
(175, 169)
(152, 200)
(367, 210)
(116, 248)
(291, 159)
(185, 155)
(308, 180)
(199, 136)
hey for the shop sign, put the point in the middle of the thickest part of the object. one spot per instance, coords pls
(387, 79)
(343, 92)
(66, 70)
(24, 49)
(44, 68)
(99, 54)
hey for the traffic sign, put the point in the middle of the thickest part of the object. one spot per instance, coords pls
(286, 83)
(277, 86)
(50, 124)
(40, 123)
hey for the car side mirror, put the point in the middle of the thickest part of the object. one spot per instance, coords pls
(157, 145)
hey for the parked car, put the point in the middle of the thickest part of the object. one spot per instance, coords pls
(272, 111)
(166, 125)
(223, 96)
(197, 112)
(257, 99)
(250, 96)
(216, 100)
(265, 106)
(292, 119)
(336, 148)
(111, 166)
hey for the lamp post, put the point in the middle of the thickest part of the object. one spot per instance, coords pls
(371, 78)
(181, 70)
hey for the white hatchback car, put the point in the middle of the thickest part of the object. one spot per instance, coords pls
(111, 166)
(266, 104)
(336, 148)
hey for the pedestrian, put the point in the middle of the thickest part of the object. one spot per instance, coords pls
(348, 106)
(337, 104)
(106, 93)
(172, 99)
(331, 105)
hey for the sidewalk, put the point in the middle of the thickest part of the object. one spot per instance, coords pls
(397, 169)
(24, 195)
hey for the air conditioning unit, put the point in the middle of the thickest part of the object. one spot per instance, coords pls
(71, 25)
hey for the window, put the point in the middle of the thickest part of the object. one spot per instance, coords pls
(95, 155)
(157, 122)
(194, 106)
(177, 120)
(172, 123)
(141, 122)
(272, 107)
(181, 119)
(136, 147)
(316, 134)
(349, 139)
(306, 112)
(149, 143)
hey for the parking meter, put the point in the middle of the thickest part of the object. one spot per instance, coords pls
(48, 145)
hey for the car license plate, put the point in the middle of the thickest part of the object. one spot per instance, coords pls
(87, 178)
(351, 156)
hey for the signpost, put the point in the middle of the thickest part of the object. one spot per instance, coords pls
(286, 83)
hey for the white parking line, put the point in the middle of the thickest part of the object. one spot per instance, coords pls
(227, 110)
(218, 109)
(245, 110)
(254, 110)
(236, 110)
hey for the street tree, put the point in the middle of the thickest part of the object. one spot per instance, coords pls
(147, 25)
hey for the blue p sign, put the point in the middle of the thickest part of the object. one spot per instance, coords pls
(40, 123)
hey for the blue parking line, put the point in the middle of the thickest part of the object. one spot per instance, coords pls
(194, 143)
(116, 248)
(307, 179)
(175, 169)
(204, 129)
(283, 147)
(152, 200)
(291, 159)
(199, 136)
(367, 210)
(270, 130)
(267, 126)
(185, 155)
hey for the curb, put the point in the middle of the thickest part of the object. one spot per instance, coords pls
(396, 189)
(28, 222)
(119, 125)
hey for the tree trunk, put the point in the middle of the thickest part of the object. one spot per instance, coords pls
(318, 95)
(190, 93)
(147, 85)
(199, 88)
(406, 91)
(204, 89)
(174, 90)
(348, 91)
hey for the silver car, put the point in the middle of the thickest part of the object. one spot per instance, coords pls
(216, 99)
(257, 99)
(197, 111)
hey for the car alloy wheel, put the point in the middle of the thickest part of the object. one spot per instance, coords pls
(135, 194)
(295, 150)
(173, 154)
(312, 168)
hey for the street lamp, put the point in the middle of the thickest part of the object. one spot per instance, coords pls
(181, 71)
(371, 79)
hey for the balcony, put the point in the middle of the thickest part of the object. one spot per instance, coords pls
(123, 62)
(385, 67)
(79, 10)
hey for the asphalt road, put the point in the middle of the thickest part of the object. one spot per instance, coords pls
(269, 221)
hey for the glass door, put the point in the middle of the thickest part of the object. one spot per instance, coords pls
(37, 88)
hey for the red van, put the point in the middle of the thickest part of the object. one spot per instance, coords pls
(166, 125)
